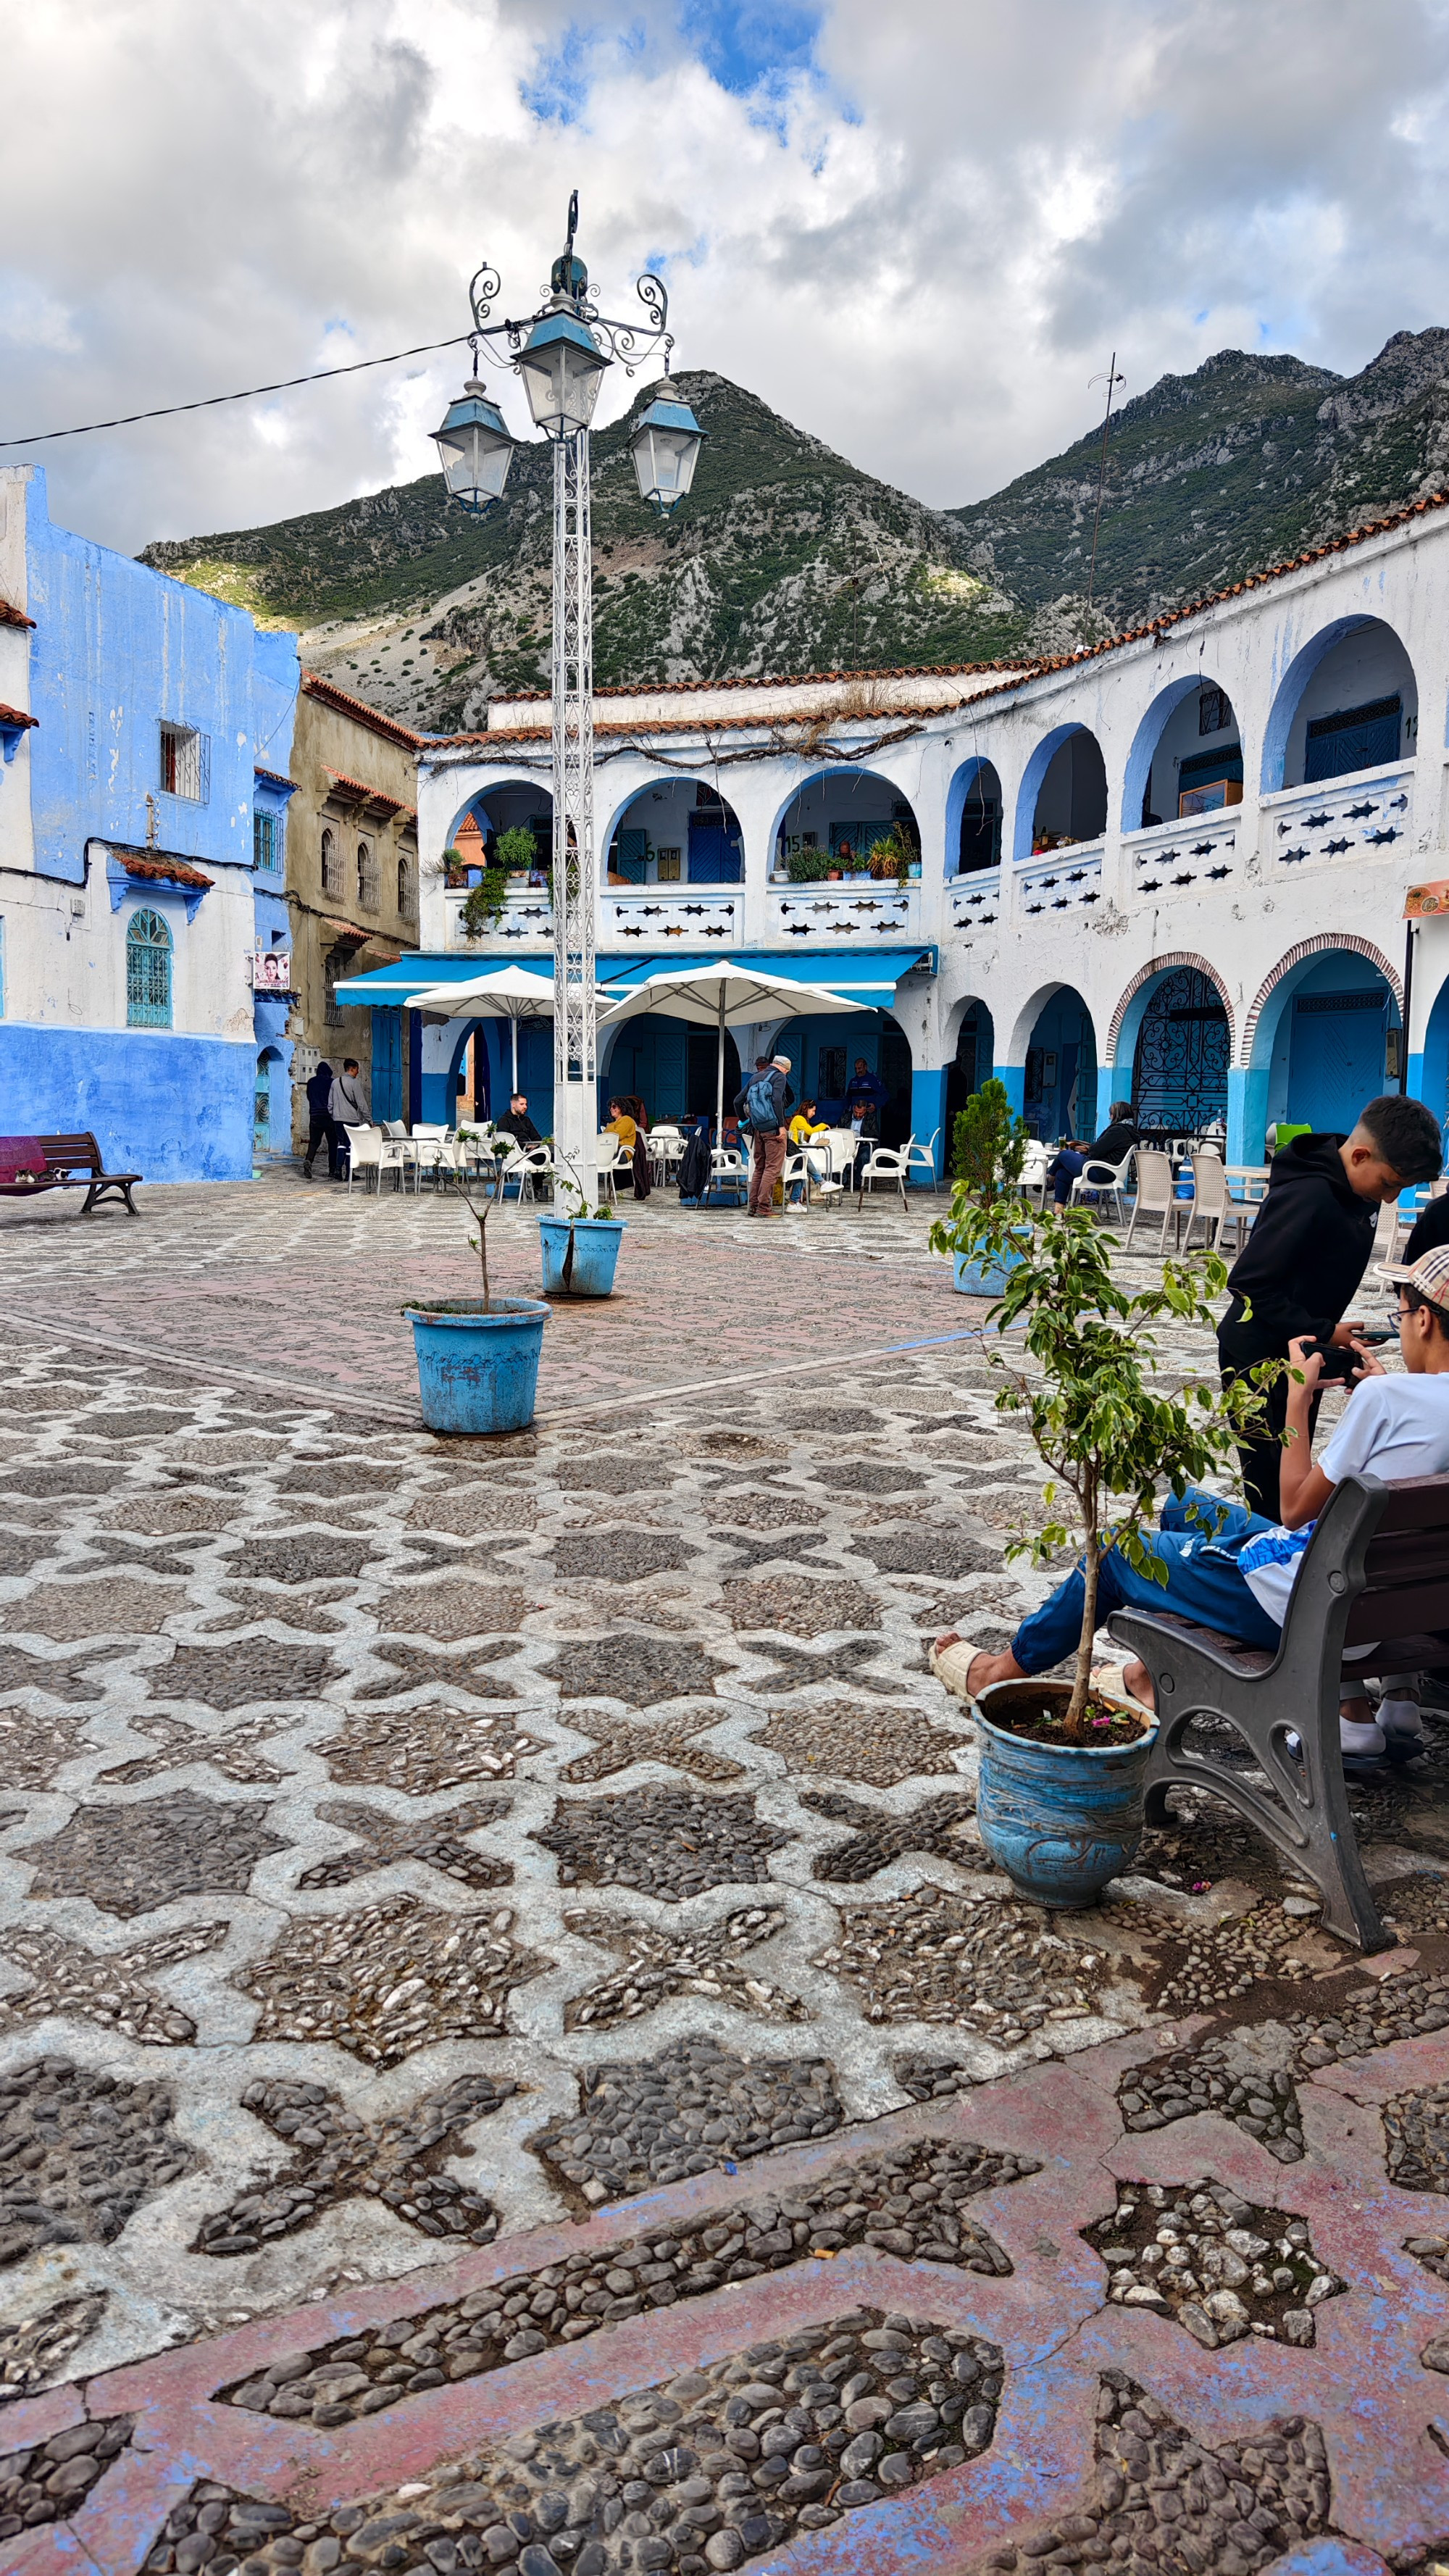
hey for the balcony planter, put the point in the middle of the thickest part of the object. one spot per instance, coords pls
(580, 1254)
(478, 1363)
(1060, 1819)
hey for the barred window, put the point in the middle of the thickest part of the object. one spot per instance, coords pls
(404, 889)
(185, 763)
(332, 967)
(148, 972)
(367, 886)
(331, 865)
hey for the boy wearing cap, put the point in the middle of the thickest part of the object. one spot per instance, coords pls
(1230, 1569)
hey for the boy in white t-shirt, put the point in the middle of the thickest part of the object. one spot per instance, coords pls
(1232, 1570)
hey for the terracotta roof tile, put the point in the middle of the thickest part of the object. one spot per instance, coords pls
(16, 716)
(146, 863)
(13, 616)
(329, 695)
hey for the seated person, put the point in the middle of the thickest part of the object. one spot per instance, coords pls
(805, 1123)
(1230, 1569)
(518, 1124)
(619, 1123)
(1118, 1139)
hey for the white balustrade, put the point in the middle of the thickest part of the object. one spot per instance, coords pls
(974, 902)
(1198, 850)
(702, 916)
(1069, 881)
(1367, 815)
(525, 922)
(825, 917)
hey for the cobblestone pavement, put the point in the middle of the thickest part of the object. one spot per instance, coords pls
(511, 2050)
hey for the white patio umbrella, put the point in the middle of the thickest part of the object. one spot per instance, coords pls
(724, 997)
(509, 993)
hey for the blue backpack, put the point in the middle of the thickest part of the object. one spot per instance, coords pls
(760, 1104)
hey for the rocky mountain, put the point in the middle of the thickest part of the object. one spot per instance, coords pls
(787, 558)
(1215, 475)
(784, 558)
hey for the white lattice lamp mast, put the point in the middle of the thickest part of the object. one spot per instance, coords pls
(561, 356)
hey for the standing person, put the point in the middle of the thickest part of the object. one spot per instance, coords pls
(319, 1121)
(865, 1097)
(1308, 1250)
(763, 1103)
(347, 1106)
(1119, 1138)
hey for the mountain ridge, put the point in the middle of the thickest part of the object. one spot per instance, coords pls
(788, 559)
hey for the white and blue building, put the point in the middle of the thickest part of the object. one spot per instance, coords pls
(1172, 868)
(146, 735)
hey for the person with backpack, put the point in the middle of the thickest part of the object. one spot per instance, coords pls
(763, 1102)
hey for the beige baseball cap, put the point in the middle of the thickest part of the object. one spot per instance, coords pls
(1429, 1274)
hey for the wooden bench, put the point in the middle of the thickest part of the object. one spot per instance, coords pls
(1375, 1572)
(73, 1163)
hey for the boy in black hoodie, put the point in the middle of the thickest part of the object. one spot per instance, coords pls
(1308, 1250)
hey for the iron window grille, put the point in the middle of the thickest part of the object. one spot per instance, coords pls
(148, 972)
(331, 866)
(185, 763)
(367, 877)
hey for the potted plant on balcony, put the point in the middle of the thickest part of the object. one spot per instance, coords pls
(478, 1357)
(1059, 1796)
(580, 1247)
(807, 867)
(988, 1143)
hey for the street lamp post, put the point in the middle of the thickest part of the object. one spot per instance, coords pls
(561, 355)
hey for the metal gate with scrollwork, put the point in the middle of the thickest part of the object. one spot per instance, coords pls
(1180, 1069)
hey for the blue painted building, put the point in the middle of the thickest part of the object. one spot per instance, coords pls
(133, 898)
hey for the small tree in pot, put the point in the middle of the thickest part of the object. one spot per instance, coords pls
(1109, 1437)
(988, 1154)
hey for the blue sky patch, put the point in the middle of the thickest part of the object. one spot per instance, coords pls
(747, 46)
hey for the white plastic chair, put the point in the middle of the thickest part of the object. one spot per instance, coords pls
(796, 1173)
(1154, 1194)
(1103, 1181)
(728, 1169)
(888, 1163)
(364, 1154)
(1034, 1172)
(922, 1158)
(529, 1169)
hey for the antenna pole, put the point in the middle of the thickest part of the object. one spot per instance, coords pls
(1113, 380)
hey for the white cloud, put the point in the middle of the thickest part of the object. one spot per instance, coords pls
(920, 245)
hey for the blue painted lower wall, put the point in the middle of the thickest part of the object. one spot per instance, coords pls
(172, 1108)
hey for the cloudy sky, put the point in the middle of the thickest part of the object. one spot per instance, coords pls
(917, 229)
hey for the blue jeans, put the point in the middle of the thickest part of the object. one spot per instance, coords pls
(1203, 1583)
(1067, 1167)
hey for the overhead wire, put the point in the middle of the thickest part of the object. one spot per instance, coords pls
(250, 393)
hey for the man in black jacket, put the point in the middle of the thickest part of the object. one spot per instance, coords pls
(319, 1124)
(1119, 1138)
(1308, 1250)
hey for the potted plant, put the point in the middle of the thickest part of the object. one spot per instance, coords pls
(988, 1152)
(1059, 1796)
(515, 851)
(580, 1247)
(478, 1357)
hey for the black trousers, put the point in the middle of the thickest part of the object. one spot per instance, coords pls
(322, 1132)
(1240, 1347)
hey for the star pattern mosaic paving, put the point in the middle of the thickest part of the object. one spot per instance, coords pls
(557, 1859)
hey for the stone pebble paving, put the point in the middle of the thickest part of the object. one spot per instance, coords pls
(699, 2473)
(47, 2482)
(912, 2205)
(698, 2107)
(337, 2154)
(1219, 2264)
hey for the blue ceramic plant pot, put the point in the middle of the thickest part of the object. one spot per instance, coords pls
(580, 1258)
(984, 1278)
(477, 1368)
(1060, 1819)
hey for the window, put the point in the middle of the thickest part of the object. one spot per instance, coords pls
(404, 889)
(185, 763)
(331, 866)
(1214, 711)
(266, 840)
(148, 972)
(1354, 738)
(331, 968)
(367, 889)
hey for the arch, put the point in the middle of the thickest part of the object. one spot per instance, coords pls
(1323, 945)
(331, 864)
(148, 971)
(367, 883)
(971, 1035)
(973, 819)
(496, 808)
(1433, 1078)
(838, 810)
(1148, 975)
(1351, 666)
(1159, 740)
(1182, 1051)
(674, 830)
(405, 884)
(264, 1101)
(1064, 784)
(1058, 1059)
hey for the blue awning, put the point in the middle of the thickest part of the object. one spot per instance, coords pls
(867, 975)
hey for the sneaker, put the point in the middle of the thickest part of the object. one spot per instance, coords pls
(1402, 1727)
(1364, 1742)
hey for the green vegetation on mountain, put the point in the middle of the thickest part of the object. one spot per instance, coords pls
(787, 558)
